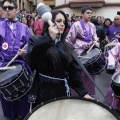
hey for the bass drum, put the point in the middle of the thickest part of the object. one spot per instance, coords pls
(72, 108)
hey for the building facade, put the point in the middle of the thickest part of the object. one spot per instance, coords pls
(29, 5)
(105, 8)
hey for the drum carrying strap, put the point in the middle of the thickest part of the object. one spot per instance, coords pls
(88, 75)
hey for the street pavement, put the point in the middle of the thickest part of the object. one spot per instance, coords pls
(102, 80)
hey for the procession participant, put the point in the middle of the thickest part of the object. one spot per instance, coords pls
(82, 35)
(13, 36)
(113, 30)
(112, 35)
(56, 69)
(113, 63)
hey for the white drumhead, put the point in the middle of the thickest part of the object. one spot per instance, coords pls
(71, 109)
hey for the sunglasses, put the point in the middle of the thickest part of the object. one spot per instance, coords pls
(116, 19)
(9, 7)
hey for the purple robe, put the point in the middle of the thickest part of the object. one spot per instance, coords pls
(2, 19)
(112, 31)
(16, 38)
(78, 36)
(114, 56)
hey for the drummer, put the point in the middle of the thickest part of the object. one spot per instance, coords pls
(50, 56)
(82, 36)
(113, 63)
(112, 35)
(13, 36)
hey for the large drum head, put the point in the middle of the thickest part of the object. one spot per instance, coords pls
(71, 109)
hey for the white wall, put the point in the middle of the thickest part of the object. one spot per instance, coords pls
(112, 1)
(59, 2)
(107, 12)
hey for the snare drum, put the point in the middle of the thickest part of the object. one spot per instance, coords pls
(72, 109)
(15, 83)
(115, 84)
(94, 61)
(109, 47)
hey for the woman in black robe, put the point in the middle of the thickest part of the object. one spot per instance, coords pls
(51, 57)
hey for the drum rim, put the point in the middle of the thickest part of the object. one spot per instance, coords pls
(22, 72)
(100, 53)
(111, 110)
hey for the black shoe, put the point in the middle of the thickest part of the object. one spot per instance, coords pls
(18, 117)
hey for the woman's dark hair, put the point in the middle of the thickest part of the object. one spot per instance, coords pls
(63, 36)
(84, 8)
(10, 1)
(107, 19)
(29, 20)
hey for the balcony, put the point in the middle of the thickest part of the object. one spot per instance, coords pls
(92, 3)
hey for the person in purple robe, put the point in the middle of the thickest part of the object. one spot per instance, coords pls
(2, 17)
(82, 35)
(113, 63)
(13, 36)
(113, 30)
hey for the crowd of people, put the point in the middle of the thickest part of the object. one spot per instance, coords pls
(49, 53)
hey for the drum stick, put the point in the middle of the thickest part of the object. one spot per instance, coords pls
(6, 68)
(90, 48)
(83, 57)
(15, 56)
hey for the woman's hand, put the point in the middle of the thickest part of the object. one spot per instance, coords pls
(87, 96)
(22, 52)
(111, 67)
(53, 32)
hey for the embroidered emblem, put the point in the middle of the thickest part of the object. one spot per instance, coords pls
(5, 46)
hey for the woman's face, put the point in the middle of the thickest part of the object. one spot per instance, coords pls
(60, 22)
(107, 23)
(24, 21)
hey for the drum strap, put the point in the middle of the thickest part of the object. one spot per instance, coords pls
(88, 75)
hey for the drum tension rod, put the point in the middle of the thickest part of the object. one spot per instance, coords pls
(31, 100)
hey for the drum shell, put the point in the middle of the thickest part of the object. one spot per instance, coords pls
(96, 64)
(116, 89)
(72, 107)
(17, 86)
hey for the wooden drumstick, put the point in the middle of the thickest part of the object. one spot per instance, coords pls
(6, 68)
(15, 56)
(90, 48)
